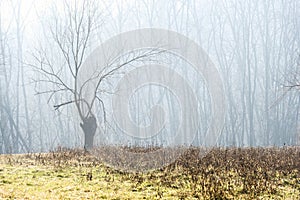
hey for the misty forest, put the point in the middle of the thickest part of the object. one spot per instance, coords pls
(149, 99)
(253, 44)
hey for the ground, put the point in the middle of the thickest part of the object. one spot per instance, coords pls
(232, 173)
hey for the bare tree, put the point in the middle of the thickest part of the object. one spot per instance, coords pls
(71, 35)
(293, 81)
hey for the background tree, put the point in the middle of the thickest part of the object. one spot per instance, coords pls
(13, 139)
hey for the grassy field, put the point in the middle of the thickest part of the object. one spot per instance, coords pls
(234, 173)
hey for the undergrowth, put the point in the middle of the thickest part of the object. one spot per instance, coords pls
(223, 173)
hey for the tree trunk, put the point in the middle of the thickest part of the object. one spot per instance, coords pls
(89, 127)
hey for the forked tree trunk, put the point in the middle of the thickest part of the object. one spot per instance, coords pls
(89, 127)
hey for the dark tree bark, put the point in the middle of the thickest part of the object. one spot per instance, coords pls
(89, 127)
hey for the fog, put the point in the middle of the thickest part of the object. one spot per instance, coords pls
(244, 92)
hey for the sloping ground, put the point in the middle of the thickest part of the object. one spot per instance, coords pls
(234, 173)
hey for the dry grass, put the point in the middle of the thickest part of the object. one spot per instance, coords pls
(232, 173)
